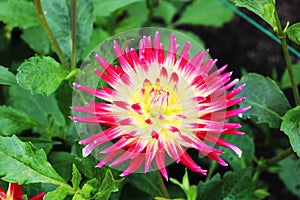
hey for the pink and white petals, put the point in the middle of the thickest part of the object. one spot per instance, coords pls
(159, 105)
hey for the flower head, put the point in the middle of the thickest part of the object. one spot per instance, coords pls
(14, 192)
(158, 105)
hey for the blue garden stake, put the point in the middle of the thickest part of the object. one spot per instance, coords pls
(258, 26)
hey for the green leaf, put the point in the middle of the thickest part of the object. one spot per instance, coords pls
(106, 7)
(76, 177)
(18, 13)
(37, 39)
(238, 185)
(86, 165)
(290, 174)
(59, 18)
(135, 11)
(146, 183)
(130, 23)
(285, 80)
(246, 144)
(78, 196)
(210, 189)
(166, 11)
(263, 8)
(41, 75)
(22, 163)
(41, 109)
(40, 143)
(13, 121)
(233, 185)
(291, 127)
(64, 97)
(57, 15)
(200, 13)
(261, 193)
(190, 190)
(33, 189)
(62, 163)
(84, 25)
(58, 194)
(108, 185)
(98, 36)
(6, 77)
(293, 33)
(90, 188)
(175, 192)
(194, 37)
(260, 93)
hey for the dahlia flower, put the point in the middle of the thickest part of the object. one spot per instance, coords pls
(159, 105)
(14, 192)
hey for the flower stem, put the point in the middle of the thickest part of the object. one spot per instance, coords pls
(282, 36)
(73, 58)
(72, 74)
(211, 170)
(273, 161)
(266, 163)
(50, 34)
(162, 185)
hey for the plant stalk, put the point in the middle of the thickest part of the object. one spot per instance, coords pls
(50, 34)
(282, 36)
(162, 185)
(273, 161)
(73, 56)
(211, 170)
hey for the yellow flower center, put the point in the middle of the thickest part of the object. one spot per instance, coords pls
(156, 108)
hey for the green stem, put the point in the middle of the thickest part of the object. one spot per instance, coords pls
(264, 164)
(273, 161)
(49, 33)
(73, 57)
(72, 73)
(162, 185)
(282, 36)
(211, 170)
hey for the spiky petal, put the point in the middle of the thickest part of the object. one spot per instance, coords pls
(160, 105)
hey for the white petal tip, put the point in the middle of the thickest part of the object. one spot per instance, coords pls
(86, 151)
(125, 173)
(73, 118)
(239, 153)
(99, 165)
(76, 85)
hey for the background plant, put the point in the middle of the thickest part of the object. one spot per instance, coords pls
(39, 144)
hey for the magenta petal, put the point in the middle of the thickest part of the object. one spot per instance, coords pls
(150, 154)
(186, 160)
(109, 157)
(160, 163)
(133, 165)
